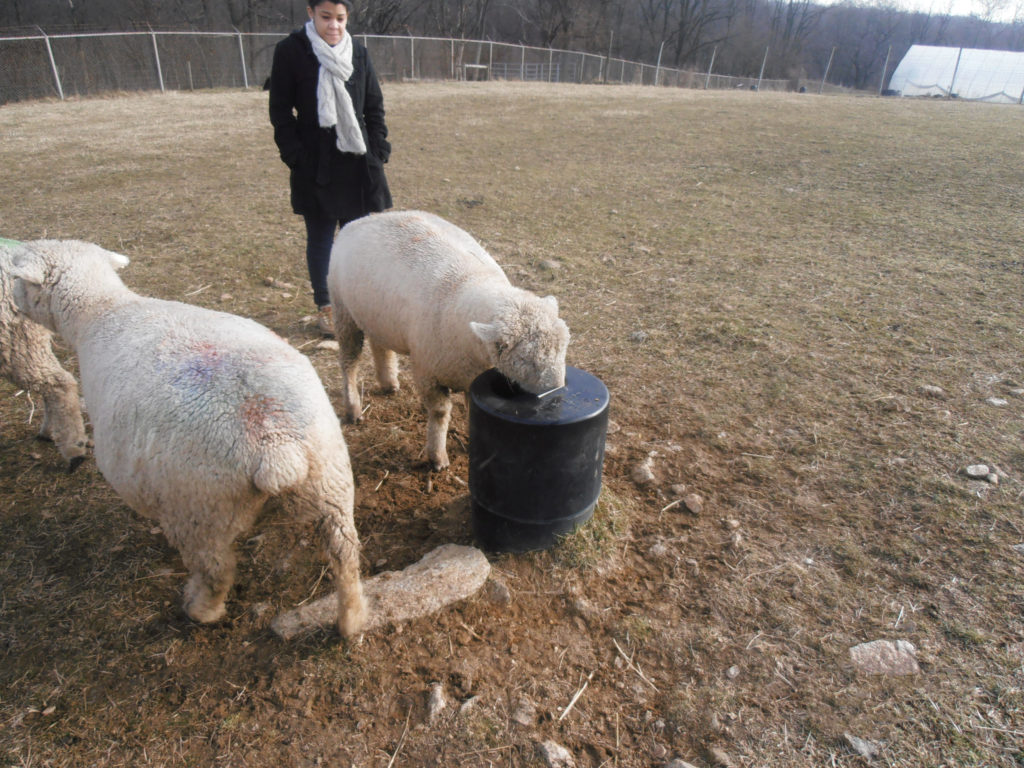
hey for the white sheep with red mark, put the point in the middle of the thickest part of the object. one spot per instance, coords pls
(199, 417)
(27, 360)
(415, 284)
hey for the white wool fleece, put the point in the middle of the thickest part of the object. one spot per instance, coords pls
(198, 416)
(416, 284)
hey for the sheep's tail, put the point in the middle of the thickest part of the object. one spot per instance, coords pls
(280, 466)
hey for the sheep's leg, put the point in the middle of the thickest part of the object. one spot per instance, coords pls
(341, 543)
(350, 347)
(438, 403)
(62, 421)
(328, 499)
(385, 361)
(39, 371)
(211, 577)
(206, 543)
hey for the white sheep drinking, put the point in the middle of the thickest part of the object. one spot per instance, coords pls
(27, 359)
(199, 417)
(415, 284)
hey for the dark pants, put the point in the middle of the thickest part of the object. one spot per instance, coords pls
(319, 239)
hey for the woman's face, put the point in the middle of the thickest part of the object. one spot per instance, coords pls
(330, 20)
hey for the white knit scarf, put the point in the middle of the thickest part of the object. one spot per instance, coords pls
(334, 105)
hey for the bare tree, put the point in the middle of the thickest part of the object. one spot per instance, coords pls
(547, 22)
(387, 17)
(862, 37)
(792, 22)
(458, 18)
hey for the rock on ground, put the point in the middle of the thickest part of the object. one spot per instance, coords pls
(884, 657)
(862, 747)
(525, 713)
(643, 473)
(555, 755)
(436, 702)
(443, 576)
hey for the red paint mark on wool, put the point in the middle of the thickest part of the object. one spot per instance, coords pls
(206, 351)
(263, 415)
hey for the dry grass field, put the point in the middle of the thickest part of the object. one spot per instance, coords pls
(769, 284)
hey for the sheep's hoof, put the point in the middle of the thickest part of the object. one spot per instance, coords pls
(200, 606)
(206, 614)
(74, 463)
(351, 621)
(43, 438)
(439, 466)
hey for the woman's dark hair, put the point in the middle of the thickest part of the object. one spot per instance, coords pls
(346, 3)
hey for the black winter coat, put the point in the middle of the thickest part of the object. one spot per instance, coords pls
(325, 181)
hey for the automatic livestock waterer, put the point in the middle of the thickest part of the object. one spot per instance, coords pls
(534, 461)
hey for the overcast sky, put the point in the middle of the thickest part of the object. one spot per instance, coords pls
(1009, 9)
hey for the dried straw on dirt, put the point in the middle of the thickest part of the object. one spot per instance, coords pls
(807, 311)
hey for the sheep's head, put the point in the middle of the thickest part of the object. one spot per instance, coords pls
(45, 271)
(528, 344)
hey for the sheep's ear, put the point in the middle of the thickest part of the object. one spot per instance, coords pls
(486, 332)
(26, 268)
(552, 302)
(117, 260)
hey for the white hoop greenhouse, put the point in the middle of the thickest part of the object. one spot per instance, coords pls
(965, 73)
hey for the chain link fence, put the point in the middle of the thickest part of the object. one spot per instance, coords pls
(63, 66)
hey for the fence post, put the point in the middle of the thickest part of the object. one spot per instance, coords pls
(657, 68)
(828, 67)
(522, 65)
(453, 59)
(881, 83)
(156, 54)
(241, 52)
(763, 62)
(955, 70)
(412, 57)
(707, 80)
(551, 64)
(53, 63)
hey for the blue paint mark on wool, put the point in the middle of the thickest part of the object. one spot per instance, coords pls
(249, 387)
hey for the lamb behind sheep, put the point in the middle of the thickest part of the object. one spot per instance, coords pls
(198, 418)
(415, 284)
(27, 359)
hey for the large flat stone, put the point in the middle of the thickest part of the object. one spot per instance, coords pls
(441, 577)
(884, 657)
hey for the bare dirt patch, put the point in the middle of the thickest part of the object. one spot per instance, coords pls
(767, 283)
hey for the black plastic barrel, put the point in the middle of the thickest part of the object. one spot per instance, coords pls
(534, 462)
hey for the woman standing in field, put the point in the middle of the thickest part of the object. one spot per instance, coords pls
(327, 110)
